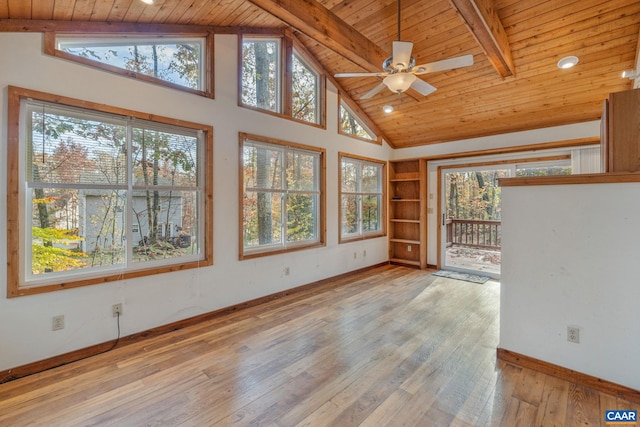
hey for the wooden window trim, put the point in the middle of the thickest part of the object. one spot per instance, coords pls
(366, 122)
(322, 223)
(288, 44)
(371, 235)
(15, 216)
(50, 49)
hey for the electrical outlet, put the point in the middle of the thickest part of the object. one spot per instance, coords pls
(57, 323)
(286, 271)
(117, 310)
(355, 255)
(364, 253)
(409, 248)
(573, 334)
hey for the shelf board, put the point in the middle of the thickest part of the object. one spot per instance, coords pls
(405, 200)
(404, 179)
(405, 261)
(410, 242)
(411, 221)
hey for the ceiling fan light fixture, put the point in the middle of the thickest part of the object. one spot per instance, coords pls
(399, 82)
(567, 62)
(388, 109)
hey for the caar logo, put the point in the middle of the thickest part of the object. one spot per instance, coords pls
(620, 417)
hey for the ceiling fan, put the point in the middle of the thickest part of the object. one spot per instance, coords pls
(400, 70)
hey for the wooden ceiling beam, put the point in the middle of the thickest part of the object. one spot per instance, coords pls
(484, 23)
(316, 21)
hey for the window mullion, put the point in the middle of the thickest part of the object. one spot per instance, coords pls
(284, 199)
(129, 205)
(287, 70)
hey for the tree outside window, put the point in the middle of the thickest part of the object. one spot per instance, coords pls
(362, 198)
(351, 125)
(178, 61)
(305, 88)
(282, 198)
(265, 85)
(261, 72)
(106, 192)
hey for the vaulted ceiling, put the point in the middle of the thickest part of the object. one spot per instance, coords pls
(513, 85)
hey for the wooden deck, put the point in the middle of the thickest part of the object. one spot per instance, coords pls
(394, 346)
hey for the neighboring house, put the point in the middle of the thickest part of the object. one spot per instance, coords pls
(99, 203)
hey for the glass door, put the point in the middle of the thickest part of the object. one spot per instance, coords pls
(470, 219)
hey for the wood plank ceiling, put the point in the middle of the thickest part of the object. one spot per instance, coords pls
(470, 102)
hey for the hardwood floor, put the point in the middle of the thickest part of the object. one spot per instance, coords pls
(393, 346)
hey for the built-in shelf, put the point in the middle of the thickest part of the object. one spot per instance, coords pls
(407, 212)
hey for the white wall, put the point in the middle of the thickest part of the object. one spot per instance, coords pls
(570, 257)
(25, 322)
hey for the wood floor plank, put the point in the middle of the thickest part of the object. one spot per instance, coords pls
(392, 346)
(553, 405)
(583, 407)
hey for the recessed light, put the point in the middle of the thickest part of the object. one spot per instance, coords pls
(567, 62)
(388, 109)
(147, 1)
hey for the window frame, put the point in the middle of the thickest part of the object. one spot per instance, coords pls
(17, 220)
(289, 46)
(366, 125)
(50, 48)
(361, 235)
(272, 249)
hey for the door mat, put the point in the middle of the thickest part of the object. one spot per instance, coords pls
(462, 276)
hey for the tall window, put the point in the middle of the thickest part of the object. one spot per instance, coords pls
(105, 195)
(298, 94)
(176, 61)
(362, 197)
(261, 73)
(305, 90)
(282, 196)
(351, 125)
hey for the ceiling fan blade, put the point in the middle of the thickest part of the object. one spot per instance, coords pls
(445, 64)
(373, 91)
(423, 87)
(401, 54)
(359, 75)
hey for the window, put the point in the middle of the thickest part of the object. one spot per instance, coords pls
(261, 73)
(351, 125)
(305, 89)
(298, 94)
(362, 198)
(181, 62)
(558, 167)
(103, 196)
(282, 196)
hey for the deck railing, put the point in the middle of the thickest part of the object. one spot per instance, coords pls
(474, 233)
